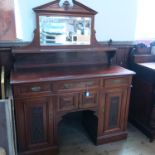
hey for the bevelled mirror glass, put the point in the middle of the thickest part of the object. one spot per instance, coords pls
(64, 30)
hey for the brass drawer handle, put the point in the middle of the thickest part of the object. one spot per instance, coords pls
(36, 89)
(87, 94)
(117, 81)
(68, 86)
(90, 83)
(80, 84)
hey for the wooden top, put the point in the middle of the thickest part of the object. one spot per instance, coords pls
(69, 73)
(145, 71)
(150, 65)
(31, 50)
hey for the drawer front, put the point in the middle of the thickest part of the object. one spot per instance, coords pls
(67, 102)
(74, 85)
(89, 99)
(32, 89)
(116, 82)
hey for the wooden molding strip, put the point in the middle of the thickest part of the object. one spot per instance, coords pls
(3, 82)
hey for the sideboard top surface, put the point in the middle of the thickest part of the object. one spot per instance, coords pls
(30, 50)
(69, 73)
(149, 65)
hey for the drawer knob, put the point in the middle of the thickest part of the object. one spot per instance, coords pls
(68, 86)
(117, 81)
(90, 83)
(87, 94)
(36, 89)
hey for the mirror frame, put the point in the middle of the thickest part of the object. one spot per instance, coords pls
(64, 30)
(54, 10)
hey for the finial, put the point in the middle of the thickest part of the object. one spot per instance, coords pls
(66, 4)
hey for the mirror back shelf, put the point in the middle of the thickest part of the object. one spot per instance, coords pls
(64, 36)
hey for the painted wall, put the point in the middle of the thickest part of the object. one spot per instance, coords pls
(115, 19)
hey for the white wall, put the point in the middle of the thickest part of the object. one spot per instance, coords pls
(115, 19)
(145, 27)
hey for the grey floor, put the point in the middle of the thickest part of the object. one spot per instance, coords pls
(75, 141)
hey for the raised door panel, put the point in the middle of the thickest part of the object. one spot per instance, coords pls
(37, 123)
(89, 99)
(113, 110)
(67, 101)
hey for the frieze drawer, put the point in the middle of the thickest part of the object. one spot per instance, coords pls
(116, 82)
(89, 99)
(72, 85)
(32, 89)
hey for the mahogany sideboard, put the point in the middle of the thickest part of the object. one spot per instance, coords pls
(66, 70)
(41, 100)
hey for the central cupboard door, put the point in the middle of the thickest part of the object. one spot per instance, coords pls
(113, 110)
(34, 119)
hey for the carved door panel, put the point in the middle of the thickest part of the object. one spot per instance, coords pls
(113, 110)
(35, 119)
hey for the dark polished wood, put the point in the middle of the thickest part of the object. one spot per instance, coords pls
(62, 55)
(120, 58)
(142, 109)
(49, 82)
(69, 74)
(36, 93)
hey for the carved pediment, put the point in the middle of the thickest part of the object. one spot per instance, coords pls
(54, 7)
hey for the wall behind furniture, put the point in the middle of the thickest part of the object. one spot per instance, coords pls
(115, 19)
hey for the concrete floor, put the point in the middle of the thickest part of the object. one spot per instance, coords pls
(74, 140)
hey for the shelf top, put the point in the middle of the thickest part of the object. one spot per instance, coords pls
(68, 73)
(53, 50)
(149, 65)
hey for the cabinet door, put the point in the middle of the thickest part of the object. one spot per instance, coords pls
(34, 120)
(113, 110)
